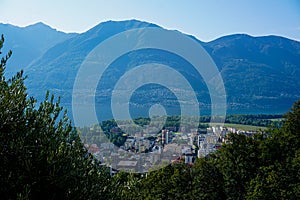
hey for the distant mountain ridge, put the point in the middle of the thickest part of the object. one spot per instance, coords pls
(261, 74)
(29, 43)
(266, 68)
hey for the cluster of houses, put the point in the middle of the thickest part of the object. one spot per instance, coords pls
(144, 152)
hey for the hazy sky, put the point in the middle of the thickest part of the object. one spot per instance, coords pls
(206, 20)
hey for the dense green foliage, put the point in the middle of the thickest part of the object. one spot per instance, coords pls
(42, 157)
(255, 120)
(245, 119)
(113, 133)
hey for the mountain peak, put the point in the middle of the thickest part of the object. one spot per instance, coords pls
(39, 26)
(118, 26)
(128, 22)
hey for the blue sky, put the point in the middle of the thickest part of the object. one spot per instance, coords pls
(207, 20)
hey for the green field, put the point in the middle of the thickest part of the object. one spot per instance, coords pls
(240, 126)
(277, 119)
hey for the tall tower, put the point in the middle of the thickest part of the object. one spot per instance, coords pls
(167, 137)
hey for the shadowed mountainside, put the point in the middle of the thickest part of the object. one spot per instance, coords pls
(260, 73)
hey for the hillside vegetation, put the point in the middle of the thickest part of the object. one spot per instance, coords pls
(260, 74)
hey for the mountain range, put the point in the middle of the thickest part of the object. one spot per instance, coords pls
(29, 43)
(260, 74)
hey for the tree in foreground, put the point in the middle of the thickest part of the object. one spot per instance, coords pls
(41, 155)
(278, 176)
